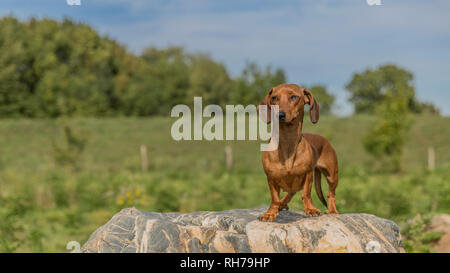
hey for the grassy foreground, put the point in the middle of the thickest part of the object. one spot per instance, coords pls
(44, 203)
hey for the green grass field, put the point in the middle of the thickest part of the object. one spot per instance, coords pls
(45, 204)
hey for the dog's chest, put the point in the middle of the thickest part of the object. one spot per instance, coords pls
(290, 177)
(289, 173)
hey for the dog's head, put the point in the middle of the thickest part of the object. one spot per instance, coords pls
(291, 100)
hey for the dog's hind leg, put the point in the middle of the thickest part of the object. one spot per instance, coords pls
(306, 196)
(332, 180)
(328, 166)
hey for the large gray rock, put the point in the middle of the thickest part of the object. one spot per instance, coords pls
(239, 230)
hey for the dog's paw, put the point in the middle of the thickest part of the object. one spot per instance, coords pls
(269, 216)
(312, 212)
(329, 211)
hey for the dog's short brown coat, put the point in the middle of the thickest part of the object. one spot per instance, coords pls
(299, 157)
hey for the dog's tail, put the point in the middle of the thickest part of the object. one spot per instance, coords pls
(318, 186)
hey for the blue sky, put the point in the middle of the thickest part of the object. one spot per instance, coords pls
(315, 41)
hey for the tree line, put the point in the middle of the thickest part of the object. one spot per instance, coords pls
(52, 68)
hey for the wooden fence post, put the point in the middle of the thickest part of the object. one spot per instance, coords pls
(228, 156)
(144, 158)
(431, 158)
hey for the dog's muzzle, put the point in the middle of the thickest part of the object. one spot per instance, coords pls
(282, 116)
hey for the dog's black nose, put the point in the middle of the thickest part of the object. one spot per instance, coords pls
(281, 115)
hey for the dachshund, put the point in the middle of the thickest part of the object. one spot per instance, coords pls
(299, 158)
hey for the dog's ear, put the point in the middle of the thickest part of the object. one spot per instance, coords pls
(313, 105)
(268, 116)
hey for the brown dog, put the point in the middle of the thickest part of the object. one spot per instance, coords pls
(299, 156)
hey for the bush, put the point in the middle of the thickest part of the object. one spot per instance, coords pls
(416, 239)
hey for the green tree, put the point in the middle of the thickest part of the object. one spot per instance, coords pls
(210, 80)
(369, 88)
(387, 137)
(183, 75)
(51, 69)
(171, 67)
(15, 76)
(425, 108)
(254, 82)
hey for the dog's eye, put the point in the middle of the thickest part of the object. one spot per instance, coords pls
(274, 98)
(294, 97)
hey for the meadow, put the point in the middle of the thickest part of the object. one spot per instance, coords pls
(54, 190)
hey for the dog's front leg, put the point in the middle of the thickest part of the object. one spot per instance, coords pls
(272, 212)
(285, 200)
